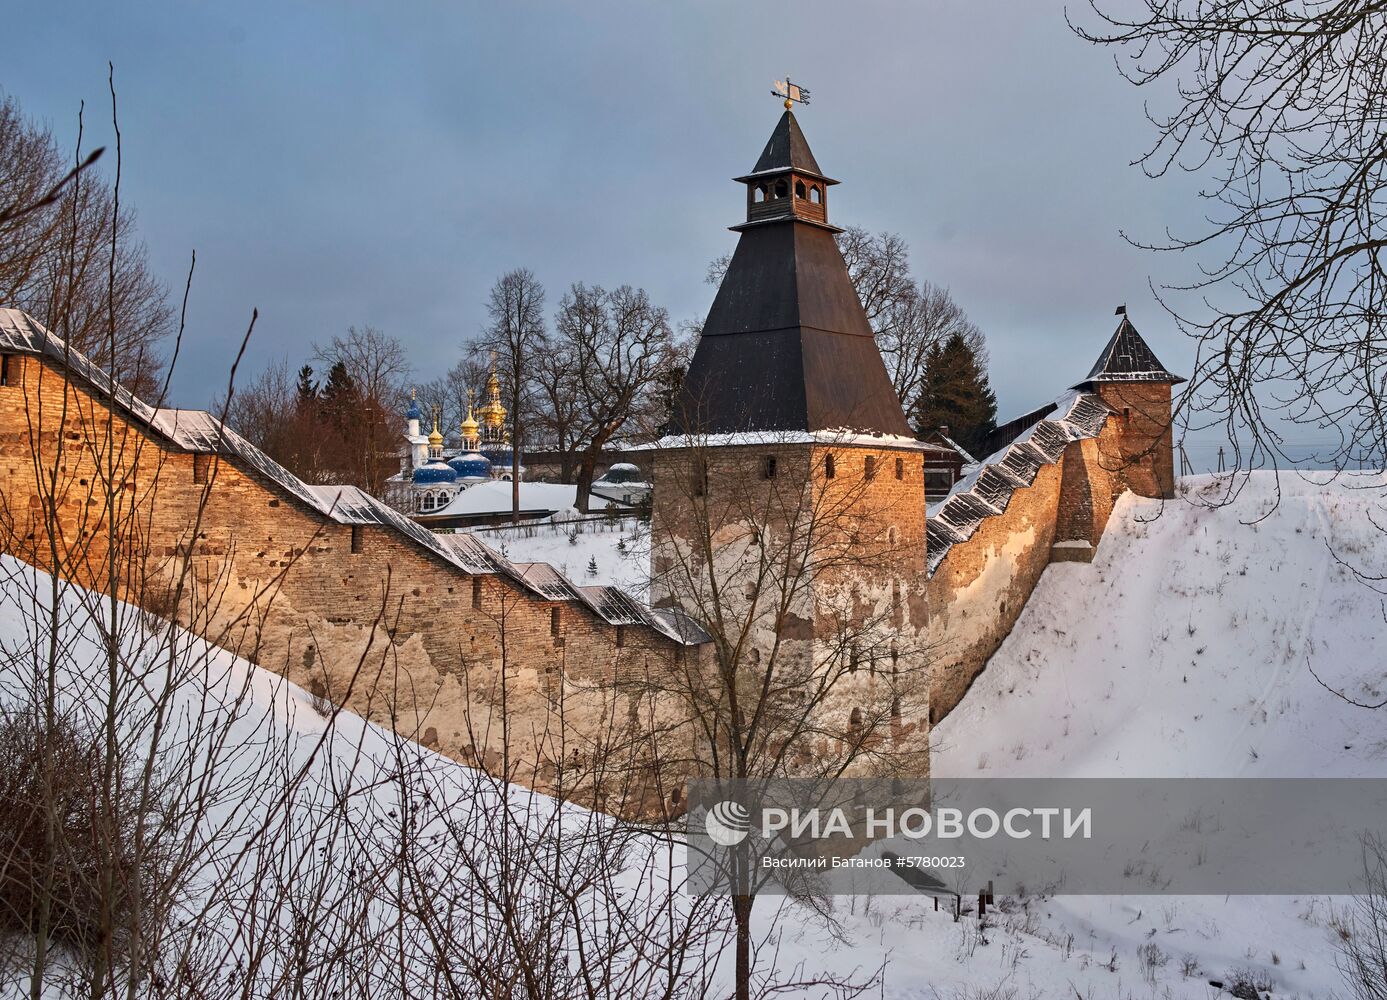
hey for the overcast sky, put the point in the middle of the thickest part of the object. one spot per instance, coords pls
(382, 164)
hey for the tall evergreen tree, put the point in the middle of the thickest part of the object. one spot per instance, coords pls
(307, 398)
(338, 397)
(956, 394)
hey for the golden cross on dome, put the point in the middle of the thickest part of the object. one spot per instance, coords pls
(793, 93)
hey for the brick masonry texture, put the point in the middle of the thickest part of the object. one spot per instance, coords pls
(979, 589)
(392, 631)
(864, 604)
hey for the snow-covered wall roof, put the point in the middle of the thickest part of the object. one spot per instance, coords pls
(986, 491)
(202, 432)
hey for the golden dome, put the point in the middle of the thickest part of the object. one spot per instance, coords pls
(470, 425)
(493, 414)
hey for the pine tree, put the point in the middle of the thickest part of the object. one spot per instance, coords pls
(338, 397)
(956, 394)
(307, 389)
(592, 566)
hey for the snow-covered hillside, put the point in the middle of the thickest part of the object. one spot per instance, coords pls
(1184, 649)
(327, 856)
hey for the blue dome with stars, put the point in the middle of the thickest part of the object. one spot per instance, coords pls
(435, 472)
(471, 465)
(414, 412)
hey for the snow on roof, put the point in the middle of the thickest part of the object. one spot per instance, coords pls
(967, 458)
(842, 436)
(1128, 358)
(494, 497)
(202, 432)
(987, 490)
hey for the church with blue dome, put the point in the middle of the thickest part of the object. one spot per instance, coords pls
(431, 474)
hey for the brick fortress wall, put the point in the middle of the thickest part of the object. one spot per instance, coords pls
(315, 600)
(979, 589)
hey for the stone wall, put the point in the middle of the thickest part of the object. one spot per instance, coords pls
(980, 587)
(360, 613)
(1143, 453)
(813, 575)
(977, 592)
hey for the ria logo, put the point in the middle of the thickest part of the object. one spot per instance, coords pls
(727, 823)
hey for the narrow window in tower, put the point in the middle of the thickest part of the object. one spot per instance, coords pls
(815, 195)
(800, 192)
(358, 540)
(869, 466)
(782, 188)
(1126, 415)
(700, 477)
(769, 470)
(829, 469)
(201, 465)
(620, 636)
(900, 468)
(477, 592)
(4, 369)
(758, 193)
(554, 622)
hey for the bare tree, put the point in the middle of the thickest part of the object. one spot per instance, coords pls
(517, 336)
(451, 393)
(366, 374)
(376, 361)
(907, 319)
(801, 577)
(269, 411)
(613, 345)
(559, 406)
(879, 268)
(1282, 109)
(74, 258)
(1363, 941)
(919, 323)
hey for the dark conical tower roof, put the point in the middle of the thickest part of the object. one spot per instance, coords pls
(786, 345)
(788, 150)
(1127, 358)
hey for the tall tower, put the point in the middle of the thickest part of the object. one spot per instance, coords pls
(789, 497)
(1130, 379)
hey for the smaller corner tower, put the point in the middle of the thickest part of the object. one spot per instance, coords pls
(1130, 379)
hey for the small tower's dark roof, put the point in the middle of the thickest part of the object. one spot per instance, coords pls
(787, 150)
(1128, 358)
(786, 345)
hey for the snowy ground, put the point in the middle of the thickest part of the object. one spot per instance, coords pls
(1185, 648)
(594, 552)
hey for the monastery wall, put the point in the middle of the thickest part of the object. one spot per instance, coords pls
(978, 591)
(981, 585)
(359, 613)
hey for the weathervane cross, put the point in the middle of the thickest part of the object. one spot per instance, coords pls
(792, 92)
